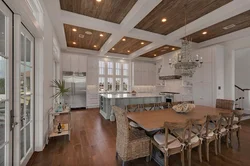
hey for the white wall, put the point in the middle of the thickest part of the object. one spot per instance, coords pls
(242, 68)
(229, 59)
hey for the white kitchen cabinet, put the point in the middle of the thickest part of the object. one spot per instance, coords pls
(207, 79)
(143, 73)
(74, 63)
(66, 66)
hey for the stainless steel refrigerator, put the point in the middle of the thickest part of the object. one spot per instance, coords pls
(76, 81)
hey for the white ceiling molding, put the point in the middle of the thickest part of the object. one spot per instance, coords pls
(225, 38)
(135, 15)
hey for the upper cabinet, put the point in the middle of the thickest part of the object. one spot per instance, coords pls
(143, 73)
(74, 62)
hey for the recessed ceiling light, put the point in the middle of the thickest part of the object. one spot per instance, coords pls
(142, 43)
(98, 0)
(204, 33)
(107, 56)
(173, 48)
(101, 35)
(95, 46)
(164, 20)
(154, 54)
(74, 43)
(81, 36)
(124, 39)
(88, 32)
(113, 49)
(74, 29)
(128, 51)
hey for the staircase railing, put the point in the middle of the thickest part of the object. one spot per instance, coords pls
(239, 97)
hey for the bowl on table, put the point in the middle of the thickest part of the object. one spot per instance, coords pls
(183, 108)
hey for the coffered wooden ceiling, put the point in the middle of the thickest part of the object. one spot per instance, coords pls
(236, 23)
(174, 12)
(128, 45)
(81, 39)
(108, 10)
(160, 51)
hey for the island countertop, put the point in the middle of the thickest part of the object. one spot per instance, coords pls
(138, 95)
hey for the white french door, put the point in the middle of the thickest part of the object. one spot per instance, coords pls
(24, 97)
(5, 85)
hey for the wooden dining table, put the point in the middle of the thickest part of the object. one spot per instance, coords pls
(154, 120)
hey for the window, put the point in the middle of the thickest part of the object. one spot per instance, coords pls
(113, 76)
(110, 84)
(110, 68)
(125, 69)
(101, 83)
(125, 84)
(101, 68)
(118, 68)
(118, 84)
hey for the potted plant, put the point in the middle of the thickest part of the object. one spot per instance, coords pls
(61, 90)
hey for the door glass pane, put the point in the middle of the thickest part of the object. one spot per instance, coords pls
(117, 84)
(2, 34)
(3, 65)
(28, 108)
(110, 84)
(2, 122)
(22, 48)
(22, 143)
(27, 138)
(28, 80)
(22, 114)
(2, 156)
(22, 75)
(28, 52)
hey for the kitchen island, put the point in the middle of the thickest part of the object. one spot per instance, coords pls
(122, 100)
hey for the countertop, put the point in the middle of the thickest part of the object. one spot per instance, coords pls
(138, 95)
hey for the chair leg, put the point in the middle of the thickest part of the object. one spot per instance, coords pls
(182, 158)
(166, 160)
(216, 147)
(238, 137)
(219, 144)
(116, 155)
(227, 141)
(231, 133)
(124, 163)
(207, 150)
(200, 153)
(189, 156)
(151, 150)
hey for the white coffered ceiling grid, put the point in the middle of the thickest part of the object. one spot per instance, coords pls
(135, 15)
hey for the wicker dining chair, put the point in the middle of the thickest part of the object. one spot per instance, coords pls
(224, 104)
(211, 133)
(171, 142)
(133, 108)
(130, 144)
(162, 106)
(236, 125)
(198, 127)
(148, 107)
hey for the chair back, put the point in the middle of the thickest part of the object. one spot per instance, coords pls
(226, 120)
(162, 106)
(198, 126)
(122, 126)
(237, 117)
(180, 130)
(214, 120)
(224, 104)
(133, 108)
(149, 107)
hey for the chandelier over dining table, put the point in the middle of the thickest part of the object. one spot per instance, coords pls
(185, 63)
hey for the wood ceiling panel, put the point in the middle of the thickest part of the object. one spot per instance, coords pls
(160, 51)
(128, 46)
(108, 10)
(174, 12)
(83, 40)
(240, 21)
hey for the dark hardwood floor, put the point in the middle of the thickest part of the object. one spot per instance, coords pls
(93, 144)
